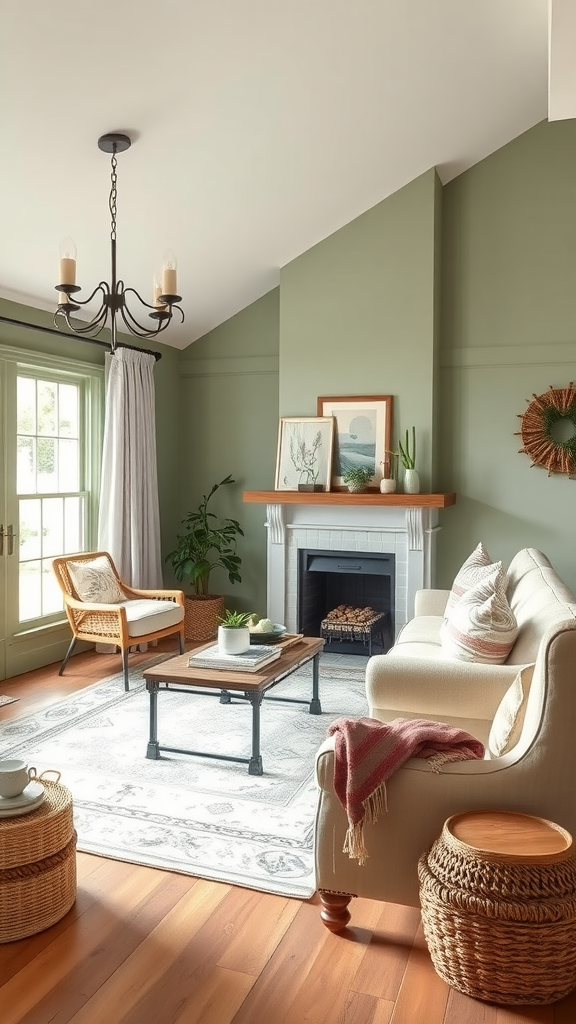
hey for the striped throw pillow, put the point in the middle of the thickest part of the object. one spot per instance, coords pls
(481, 626)
(477, 566)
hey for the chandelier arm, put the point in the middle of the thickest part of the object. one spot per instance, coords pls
(102, 287)
(93, 327)
(137, 328)
(137, 294)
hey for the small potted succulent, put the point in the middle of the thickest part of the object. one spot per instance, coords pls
(357, 478)
(234, 632)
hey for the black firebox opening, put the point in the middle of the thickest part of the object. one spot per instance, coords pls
(327, 579)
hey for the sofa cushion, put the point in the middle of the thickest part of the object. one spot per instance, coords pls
(477, 566)
(539, 600)
(481, 627)
(423, 629)
(147, 616)
(95, 582)
(507, 725)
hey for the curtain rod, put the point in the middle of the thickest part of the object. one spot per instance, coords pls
(75, 337)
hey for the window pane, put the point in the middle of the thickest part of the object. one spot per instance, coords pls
(73, 519)
(26, 401)
(52, 526)
(30, 591)
(30, 529)
(68, 410)
(46, 407)
(26, 465)
(52, 600)
(68, 466)
(47, 478)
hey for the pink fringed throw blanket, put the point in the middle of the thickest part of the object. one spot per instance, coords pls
(367, 752)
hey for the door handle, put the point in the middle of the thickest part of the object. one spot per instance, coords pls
(1, 538)
(10, 535)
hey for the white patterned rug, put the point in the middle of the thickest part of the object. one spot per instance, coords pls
(194, 815)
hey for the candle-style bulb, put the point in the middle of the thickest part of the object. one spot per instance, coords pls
(169, 279)
(156, 292)
(67, 261)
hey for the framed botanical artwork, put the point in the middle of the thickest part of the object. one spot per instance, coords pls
(304, 455)
(362, 432)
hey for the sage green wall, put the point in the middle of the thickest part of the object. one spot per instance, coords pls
(228, 425)
(357, 314)
(508, 332)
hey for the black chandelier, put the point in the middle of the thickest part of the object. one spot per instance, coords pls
(114, 295)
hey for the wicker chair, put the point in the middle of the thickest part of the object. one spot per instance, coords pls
(129, 618)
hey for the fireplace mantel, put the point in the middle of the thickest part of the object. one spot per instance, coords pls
(346, 498)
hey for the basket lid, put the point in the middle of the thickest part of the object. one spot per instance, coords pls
(510, 835)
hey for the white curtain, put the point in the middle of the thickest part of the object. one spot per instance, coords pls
(129, 519)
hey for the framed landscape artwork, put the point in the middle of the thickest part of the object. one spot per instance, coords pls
(362, 433)
(304, 452)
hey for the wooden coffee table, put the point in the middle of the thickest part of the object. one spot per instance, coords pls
(180, 677)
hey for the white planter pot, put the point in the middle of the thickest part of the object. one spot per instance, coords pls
(411, 482)
(387, 486)
(233, 640)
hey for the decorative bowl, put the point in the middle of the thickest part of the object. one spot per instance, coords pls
(268, 638)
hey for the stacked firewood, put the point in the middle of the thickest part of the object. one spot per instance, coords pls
(346, 613)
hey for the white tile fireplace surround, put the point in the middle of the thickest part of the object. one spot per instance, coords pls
(409, 533)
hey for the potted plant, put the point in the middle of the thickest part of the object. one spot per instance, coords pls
(234, 632)
(407, 456)
(209, 542)
(388, 481)
(357, 478)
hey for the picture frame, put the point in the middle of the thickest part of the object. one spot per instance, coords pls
(362, 432)
(304, 455)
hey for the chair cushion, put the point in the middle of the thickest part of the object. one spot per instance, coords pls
(481, 627)
(508, 721)
(147, 616)
(95, 582)
(477, 566)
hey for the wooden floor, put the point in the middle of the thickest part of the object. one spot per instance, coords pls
(143, 946)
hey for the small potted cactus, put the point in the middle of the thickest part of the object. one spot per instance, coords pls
(234, 632)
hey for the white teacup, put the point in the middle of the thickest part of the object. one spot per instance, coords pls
(14, 777)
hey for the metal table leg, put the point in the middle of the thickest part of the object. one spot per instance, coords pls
(315, 706)
(255, 762)
(153, 749)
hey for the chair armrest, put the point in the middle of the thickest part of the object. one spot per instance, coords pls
(430, 602)
(154, 595)
(439, 687)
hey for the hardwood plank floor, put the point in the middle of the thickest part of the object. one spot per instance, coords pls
(144, 946)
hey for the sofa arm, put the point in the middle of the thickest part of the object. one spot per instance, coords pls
(430, 602)
(440, 687)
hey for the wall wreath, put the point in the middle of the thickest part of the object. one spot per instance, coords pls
(543, 412)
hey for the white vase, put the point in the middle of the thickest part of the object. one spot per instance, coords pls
(387, 486)
(411, 482)
(233, 639)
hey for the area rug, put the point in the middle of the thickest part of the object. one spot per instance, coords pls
(7, 700)
(194, 815)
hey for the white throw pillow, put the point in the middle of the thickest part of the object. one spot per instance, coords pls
(95, 582)
(509, 718)
(477, 566)
(481, 627)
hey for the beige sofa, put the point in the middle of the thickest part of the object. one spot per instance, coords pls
(415, 680)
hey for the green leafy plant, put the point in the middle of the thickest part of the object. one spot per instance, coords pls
(207, 543)
(235, 620)
(358, 475)
(407, 457)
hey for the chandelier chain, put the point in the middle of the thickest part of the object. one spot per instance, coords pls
(113, 196)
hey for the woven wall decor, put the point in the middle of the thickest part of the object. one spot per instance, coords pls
(536, 433)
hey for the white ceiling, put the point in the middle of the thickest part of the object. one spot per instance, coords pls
(259, 128)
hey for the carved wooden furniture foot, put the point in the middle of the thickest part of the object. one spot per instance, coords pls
(334, 912)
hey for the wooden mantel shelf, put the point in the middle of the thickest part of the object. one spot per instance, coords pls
(346, 498)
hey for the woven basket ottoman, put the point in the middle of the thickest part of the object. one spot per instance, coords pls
(37, 866)
(498, 897)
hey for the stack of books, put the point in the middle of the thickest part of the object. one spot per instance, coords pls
(250, 661)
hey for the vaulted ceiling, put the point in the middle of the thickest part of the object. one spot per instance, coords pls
(259, 127)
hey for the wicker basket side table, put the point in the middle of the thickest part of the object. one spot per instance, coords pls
(498, 897)
(37, 866)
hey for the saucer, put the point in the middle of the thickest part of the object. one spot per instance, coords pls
(27, 800)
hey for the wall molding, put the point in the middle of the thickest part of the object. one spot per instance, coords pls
(479, 356)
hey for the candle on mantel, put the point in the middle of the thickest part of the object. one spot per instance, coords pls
(169, 281)
(67, 261)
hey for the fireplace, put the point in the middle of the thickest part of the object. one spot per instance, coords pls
(347, 597)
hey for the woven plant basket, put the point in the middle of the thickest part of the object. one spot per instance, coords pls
(497, 930)
(201, 617)
(37, 866)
